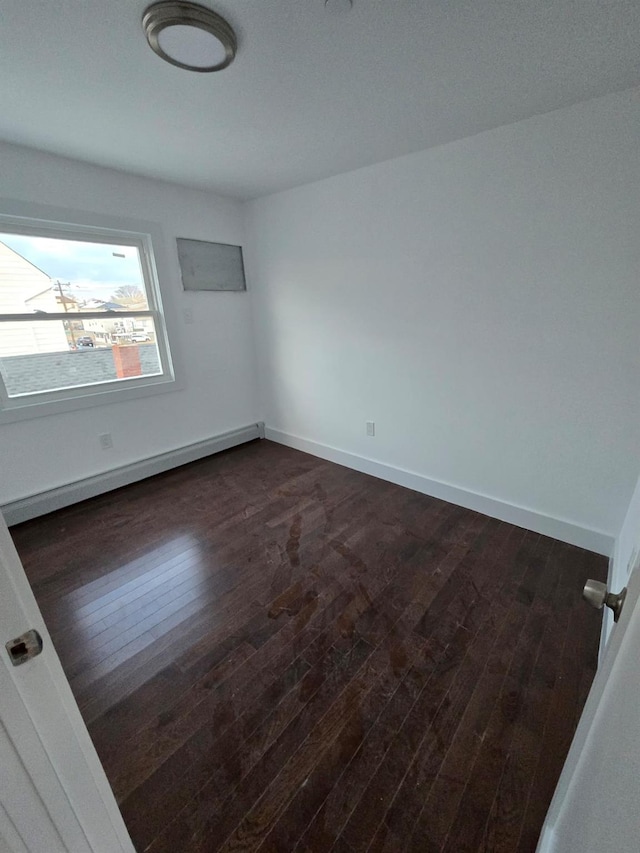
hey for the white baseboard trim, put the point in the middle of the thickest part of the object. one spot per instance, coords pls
(31, 507)
(557, 528)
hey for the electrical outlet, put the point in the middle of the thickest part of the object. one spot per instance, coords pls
(371, 428)
(187, 313)
(106, 442)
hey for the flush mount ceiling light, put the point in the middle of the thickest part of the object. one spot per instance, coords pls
(189, 36)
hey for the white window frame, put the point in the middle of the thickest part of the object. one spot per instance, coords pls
(148, 239)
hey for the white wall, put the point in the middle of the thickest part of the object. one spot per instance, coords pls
(479, 302)
(217, 350)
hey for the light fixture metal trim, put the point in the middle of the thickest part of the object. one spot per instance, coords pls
(171, 13)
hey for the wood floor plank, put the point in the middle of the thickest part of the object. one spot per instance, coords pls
(504, 824)
(477, 799)
(441, 803)
(210, 698)
(422, 720)
(427, 761)
(275, 653)
(250, 790)
(327, 822)
(317, 784)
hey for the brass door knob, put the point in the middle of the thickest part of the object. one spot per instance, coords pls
(596, 594)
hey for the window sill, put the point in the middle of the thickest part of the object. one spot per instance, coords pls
(90, 399)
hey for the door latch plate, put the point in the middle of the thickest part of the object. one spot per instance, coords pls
(24, 647)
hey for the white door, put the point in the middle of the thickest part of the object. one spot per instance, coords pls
(54, 795)
(596, 806)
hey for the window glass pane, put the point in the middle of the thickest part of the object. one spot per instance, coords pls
(36, 357)
(53, 274)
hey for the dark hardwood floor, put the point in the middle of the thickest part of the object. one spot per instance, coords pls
(276, 653)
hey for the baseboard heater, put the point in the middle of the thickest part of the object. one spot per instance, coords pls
(89, 487)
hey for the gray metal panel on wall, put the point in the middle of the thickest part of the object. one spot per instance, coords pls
(210, 266)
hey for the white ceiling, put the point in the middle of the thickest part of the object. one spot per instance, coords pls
(310, 94)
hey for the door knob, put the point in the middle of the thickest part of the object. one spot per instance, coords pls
(596, 594)
(24, 647)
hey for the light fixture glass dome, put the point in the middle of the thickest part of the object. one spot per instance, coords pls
(189, 36)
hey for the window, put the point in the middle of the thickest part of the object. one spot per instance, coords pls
(80, 314)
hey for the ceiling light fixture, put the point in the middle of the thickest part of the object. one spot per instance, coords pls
(189, 36)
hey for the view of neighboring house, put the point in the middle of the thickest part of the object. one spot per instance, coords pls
(52, 299)
(113, 330)
(26, 289)
(20, 282)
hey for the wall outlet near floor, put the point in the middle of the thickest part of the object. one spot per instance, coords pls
(106, 442)
(187, 314)
(371, 428)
